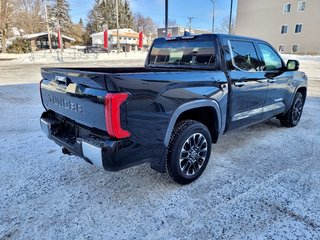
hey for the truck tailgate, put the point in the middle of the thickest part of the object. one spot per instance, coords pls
(75, 95)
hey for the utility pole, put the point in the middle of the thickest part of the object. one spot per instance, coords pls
(190, 21)
(47, 23)
(117, 13)
(166, 18)
(230, 19)
(213, 11)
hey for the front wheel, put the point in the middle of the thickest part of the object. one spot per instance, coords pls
(292, 117)
(188, 152)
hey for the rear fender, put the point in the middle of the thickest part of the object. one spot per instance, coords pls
(189, 106)
(160, 166)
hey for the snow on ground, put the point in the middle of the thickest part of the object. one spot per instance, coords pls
(69, 55)
(301, 57)
(262, 182)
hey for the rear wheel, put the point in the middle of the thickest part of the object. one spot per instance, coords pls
(292, 117)
(188, 152)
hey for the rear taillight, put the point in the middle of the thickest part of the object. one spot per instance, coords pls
(112, 104)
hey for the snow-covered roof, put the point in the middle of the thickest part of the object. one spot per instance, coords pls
(99, 34)
(123, 32)
(36, 35)
(68, 38)
(187, 28)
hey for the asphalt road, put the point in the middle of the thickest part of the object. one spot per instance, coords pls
(262, 182)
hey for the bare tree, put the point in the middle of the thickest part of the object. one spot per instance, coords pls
(77, 32)
(149, 27)
(30, 16)
(7, 11)
(172, 22)
(223, 26)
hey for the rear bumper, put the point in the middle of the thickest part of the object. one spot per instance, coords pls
(111, 155)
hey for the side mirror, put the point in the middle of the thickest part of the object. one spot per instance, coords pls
(293, 65)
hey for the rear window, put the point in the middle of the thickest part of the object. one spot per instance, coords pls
(183, 53)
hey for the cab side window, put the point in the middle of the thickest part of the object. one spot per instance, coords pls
(271, 59)
(244, 56)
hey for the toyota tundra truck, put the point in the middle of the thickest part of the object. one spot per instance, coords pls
(168, 113)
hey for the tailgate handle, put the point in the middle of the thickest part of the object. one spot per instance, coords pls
(61, 79)
(72, 88)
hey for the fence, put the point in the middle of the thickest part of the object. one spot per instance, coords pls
(73, 55)
(57, 55)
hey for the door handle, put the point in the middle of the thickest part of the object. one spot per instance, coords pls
(262, 80)
(239, 84)
(270, 80)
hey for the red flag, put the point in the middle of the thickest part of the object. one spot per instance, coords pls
(105, 34)
(59, 39)
(140, 38)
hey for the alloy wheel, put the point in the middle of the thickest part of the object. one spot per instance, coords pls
(193, 154)
(297, 110)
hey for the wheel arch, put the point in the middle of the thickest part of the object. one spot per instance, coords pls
(196, 110)
(303, 91)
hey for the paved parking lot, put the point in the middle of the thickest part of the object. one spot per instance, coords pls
(262, 182)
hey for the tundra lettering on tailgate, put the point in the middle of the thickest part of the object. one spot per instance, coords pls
(66, 104)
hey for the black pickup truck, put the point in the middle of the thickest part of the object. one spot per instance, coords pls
(168, 113)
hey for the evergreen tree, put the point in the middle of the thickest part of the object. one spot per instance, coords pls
(104, 12)
(86, 36)
(125, 15)
(59, 12)
(89, 29)
(81, 22)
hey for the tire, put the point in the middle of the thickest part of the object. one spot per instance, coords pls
(188, 151)
(293, 115)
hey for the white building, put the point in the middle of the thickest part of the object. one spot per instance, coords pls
(129, 39)
(291, 26)
(179, 31)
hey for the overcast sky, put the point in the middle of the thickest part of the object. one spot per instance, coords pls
(179, 10)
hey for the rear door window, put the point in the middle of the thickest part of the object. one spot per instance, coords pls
(244, 56)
